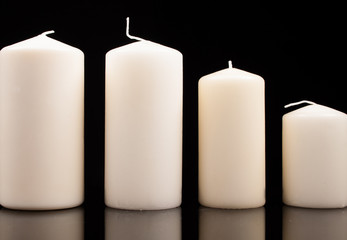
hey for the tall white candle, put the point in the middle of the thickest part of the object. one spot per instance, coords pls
(315, 157)
(143, 132)
(41, 125)
(231, 139)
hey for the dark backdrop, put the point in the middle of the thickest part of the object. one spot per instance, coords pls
(299, 49)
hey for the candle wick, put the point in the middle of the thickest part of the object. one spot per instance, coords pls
(298, 103)
(230, 64)
(47, 32)
(128, 34)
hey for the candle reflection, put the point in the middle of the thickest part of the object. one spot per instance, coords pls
(317, 224)
(248, 224)
(42, 225)
(133, 225)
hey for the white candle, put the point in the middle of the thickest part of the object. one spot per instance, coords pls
(231, 139)
(315, 157)
(41, 125)
(143, 132)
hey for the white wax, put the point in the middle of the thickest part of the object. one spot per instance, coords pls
(231, 140)
(143, 132)
(41, 125)
(315, 157)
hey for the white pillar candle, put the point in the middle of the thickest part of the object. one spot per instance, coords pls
(41, 125)
(315, 157)
(143, 132)
(231, 139)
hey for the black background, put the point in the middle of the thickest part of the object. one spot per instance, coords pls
(297, 47)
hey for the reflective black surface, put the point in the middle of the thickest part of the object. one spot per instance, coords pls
(266, 223)
(64, 224)
(299, 49)
(109, 223)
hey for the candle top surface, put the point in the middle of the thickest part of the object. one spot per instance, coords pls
(315, 110)
(40, 42)
(232, 74)
(143, 46)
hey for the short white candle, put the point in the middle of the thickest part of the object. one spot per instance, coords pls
(41, 125)
(143, 132)
(315, 157)
(231, 139)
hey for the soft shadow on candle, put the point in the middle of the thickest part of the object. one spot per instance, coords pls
(134, 225)
(317, 224)
(248, 224)
(42, 225)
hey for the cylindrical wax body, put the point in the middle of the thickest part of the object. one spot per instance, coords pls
(143, 132)
(315, 157)
(41, 125)
(231, 140)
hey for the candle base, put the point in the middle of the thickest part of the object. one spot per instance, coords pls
(142, 207)
(41, 207)
(318, 205)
